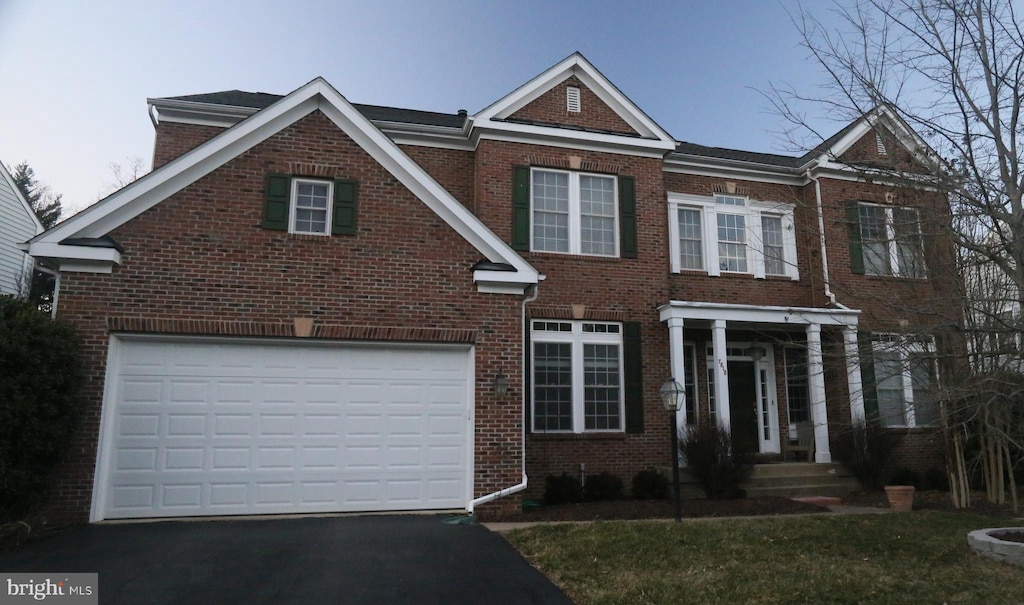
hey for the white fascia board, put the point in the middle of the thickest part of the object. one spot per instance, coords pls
(9, 179)
(74, 265)
(63, 251)
(763, 173)
(609, 140)
(557, 138)
(420, 183)
(574, 64)
(758, 314)
(439, 141)
(205, 114)
(125, 204)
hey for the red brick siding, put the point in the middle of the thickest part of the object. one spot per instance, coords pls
(452, 169)
(550, 108)
(202, 256)
(173, 140)
(613, 289)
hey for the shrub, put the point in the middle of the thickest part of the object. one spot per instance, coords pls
(40, 402)
(712, 460)
(562, 489)
(936, 478)
(649, 484)
(866, 448)
(905, 476)
(603, 486)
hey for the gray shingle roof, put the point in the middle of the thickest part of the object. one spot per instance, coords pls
(755, 157)
(377, 113)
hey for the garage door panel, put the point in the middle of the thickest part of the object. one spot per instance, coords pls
(205, 428)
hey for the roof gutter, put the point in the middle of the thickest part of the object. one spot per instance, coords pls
(507, 491)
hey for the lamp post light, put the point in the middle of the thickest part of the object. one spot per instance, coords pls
(672, 394)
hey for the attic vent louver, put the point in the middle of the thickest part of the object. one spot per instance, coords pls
(879, 144)
(572, 99)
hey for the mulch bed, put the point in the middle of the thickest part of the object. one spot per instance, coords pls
(742, 507)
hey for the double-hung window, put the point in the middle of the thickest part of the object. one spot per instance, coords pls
(886, 240)
(311, 206)
(904, 379)
(732, 234)
(577, 374)
(573, 212)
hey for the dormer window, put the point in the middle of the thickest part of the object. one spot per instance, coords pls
(572, 99)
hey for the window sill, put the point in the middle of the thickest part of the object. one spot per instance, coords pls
(578, 436)
(733, 275)
(568, 256)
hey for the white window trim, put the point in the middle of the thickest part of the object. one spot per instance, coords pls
(709, 224)
(575, 216)
(294, 199)
(890, 236)
(577, 338)
(895, 343)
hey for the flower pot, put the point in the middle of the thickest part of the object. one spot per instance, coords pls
(901, 497)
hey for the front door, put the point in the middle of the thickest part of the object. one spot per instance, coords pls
(743, 406)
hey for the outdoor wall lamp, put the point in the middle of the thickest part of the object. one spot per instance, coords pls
(672, 396)
(501, 384)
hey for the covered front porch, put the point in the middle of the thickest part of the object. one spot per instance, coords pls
(760, 371)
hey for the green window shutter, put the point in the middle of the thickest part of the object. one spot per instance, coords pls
(853, 230)
(867, 375)
(627, 217)
(634, 369)
(275, 208)
(344, 220)
(521, 208)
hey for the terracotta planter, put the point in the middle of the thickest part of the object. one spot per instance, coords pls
(901, 497)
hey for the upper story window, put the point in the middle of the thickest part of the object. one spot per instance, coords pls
(311, 206)
(886, 240)
(574, 213)
(732, 234)
(577, 376)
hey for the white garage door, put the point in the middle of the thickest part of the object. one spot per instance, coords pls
(226, 428)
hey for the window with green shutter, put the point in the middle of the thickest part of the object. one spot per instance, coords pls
(310, 206)
(572, 212)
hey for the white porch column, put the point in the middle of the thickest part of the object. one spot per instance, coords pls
(675, 351)
(816, 384)
(721, 373)
(853, 376)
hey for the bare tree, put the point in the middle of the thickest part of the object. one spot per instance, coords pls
(122, 175)
(952, 71)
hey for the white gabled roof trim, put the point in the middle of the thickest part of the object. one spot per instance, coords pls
(651, 135)
(884, 117)
(152, 189)
(9, 178)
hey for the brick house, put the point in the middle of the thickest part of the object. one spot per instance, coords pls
(311, 305)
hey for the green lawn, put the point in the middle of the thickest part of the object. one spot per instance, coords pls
(919, 558)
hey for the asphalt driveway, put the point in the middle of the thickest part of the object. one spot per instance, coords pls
(374, 559)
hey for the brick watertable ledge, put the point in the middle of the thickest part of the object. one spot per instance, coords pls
(287, 330)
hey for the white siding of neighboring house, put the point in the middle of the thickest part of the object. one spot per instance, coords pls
(17, 225)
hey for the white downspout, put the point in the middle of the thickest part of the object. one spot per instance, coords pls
(821, 241)
(507, 491)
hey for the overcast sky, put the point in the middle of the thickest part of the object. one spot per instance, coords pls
(75, 74)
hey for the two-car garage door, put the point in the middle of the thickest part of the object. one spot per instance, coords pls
(220, 427)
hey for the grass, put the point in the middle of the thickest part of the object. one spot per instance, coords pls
(919, 557)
